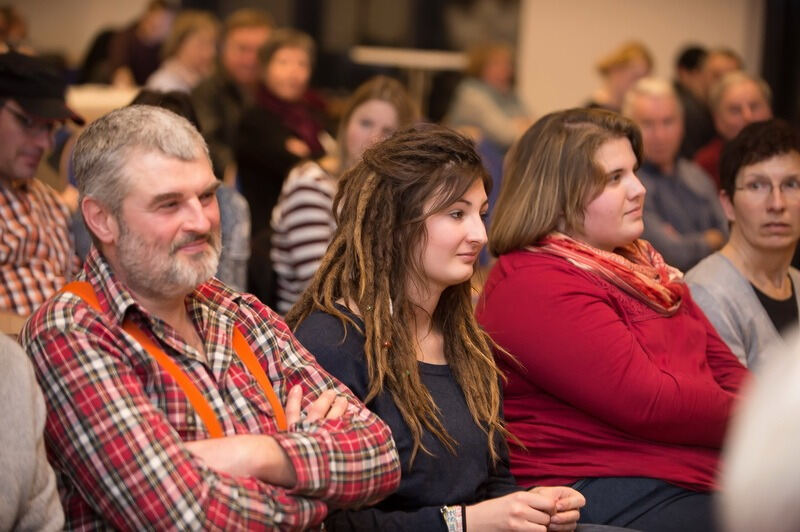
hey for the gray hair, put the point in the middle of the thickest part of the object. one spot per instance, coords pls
(649, 87)
(102, 150)
(735, 78)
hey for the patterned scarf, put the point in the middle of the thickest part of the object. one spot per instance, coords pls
(637, 269)
(300, 117)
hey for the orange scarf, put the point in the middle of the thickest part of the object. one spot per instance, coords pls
(637, 269)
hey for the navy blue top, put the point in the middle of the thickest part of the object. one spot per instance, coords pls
(432, 481)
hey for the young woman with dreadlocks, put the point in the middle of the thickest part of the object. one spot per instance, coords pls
(389, 313)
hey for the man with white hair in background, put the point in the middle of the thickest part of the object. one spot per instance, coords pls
(683, 218)
(165, 388)
(736, 99)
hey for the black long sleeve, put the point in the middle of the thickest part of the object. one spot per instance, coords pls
(430, 482)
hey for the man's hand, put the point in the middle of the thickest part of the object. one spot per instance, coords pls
(246, 455)
(326, 406)
(259, 455)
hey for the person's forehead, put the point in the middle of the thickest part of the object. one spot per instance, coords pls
(777, 165)
(152, 172)
(717, 61)
(657, 104)
(745, 89)
(248, 34)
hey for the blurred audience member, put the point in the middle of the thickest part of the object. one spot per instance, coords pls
(761, 473)
(748, 289)
(36, 253)
(284, 126)
(220, 99)
(619, 70)
(13, 30)
(736, 100)
(718, 62)
(28, 494)
(134, 52)
(682, 215)
(188, 52)
(95, 65)
(690, 84)
(486, 100)
(303, 220)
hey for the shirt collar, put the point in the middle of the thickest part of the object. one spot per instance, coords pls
(116, 300)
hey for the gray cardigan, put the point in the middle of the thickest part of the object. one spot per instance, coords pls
(732, 306)
(28, 495)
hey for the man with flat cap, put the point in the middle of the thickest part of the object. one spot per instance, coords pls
(36, 253)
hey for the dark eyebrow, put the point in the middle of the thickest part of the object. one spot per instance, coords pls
(166, 197)
(768, 178)
(176, 196)
(213, 186)
(469, 203)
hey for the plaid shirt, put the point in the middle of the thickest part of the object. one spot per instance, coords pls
(116, 420)
(36, 254)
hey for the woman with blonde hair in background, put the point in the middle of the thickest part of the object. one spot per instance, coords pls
(303, 221)
(189, 52)
(620, 70)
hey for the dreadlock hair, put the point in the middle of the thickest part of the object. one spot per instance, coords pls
(376, 252)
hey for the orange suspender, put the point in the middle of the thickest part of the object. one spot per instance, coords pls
(85, 291)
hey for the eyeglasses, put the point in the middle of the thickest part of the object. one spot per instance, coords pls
(762, 189)
(33, 126)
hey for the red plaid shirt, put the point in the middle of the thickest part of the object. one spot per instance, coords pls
(36, 253)
(116, 421)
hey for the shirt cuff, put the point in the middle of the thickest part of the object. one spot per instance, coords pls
(309, 454)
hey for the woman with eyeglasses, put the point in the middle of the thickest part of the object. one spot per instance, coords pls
(748, 289)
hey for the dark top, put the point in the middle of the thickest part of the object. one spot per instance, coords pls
(782, 312)
(432, 481)
(698, 125)
(127, 50)
(219, 104)
(263, 162)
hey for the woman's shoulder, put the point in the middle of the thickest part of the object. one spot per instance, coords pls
(716, 275)
(325, 334)
(536, 269)
(338, 347)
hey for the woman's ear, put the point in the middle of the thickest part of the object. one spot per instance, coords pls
(727, 205)
(561, 224)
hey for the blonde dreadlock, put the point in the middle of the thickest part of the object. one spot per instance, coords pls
(380, 213)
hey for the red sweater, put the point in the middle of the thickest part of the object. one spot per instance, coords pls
(708, 158)
(604, 385)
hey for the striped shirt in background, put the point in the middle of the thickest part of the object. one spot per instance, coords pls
(37, 257)
(303, 225)
(116, 421)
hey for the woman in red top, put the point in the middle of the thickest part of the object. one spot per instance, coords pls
(617, 383)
